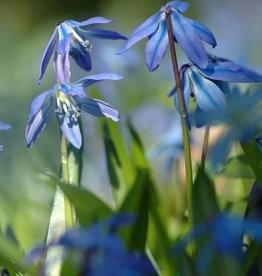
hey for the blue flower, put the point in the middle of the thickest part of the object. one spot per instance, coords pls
(207, 86)
(99, 250)
(69, 100)
(188, 33)
(3, 126)
(224, 234)
(70, 39)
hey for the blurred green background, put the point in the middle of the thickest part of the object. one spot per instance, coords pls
(25, 28)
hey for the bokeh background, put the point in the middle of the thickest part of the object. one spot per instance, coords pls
(25, 28)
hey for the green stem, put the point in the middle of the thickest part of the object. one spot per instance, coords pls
(69, 211)
(205, 146)
(183, 117)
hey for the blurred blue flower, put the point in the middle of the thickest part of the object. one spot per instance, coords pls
(70, 39)
(188, 33)
(69, 100)
(102, 251)
(3, 126)
(225, 237)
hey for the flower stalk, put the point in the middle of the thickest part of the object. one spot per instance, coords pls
(69, 211)
(205, 146)
(183, 115)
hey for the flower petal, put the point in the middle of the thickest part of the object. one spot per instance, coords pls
(72, 90)
(70, 129)
(4, 126)
(47, 55)
(65, 39)
(98, 108)
(178, 5)
(87, 81)
(208, 95)
(230, 71)
(40, 115)
(144, 30)
(204, 33)
(156, 47)
(188, 39)
(62, 67)
(104, 34)
(93, 20)
(84, 61)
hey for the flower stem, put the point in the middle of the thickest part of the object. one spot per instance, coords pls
(69, 211)
(183, 117)
(205, 146)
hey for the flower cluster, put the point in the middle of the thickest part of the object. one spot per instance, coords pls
(67, 98)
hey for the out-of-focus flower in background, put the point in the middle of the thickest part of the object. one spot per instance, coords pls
(3, 126)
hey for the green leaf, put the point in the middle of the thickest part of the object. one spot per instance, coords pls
(254, 158)
(237, 167)
(138, 202)
(88, 207)
(205, 204)
(112, 159)
(137, 149)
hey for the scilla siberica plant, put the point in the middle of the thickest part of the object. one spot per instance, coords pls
(197, 79)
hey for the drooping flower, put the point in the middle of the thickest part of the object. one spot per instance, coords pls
(68, 100)
(70, 39)
(98, 250)
(206, 86)
(3, 126)
(189, 34)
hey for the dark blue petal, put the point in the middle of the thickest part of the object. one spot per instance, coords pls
(188, 39)
(230, 71)
(84, 61)
(208, 95)
(39, 120)
(204, 33)
(178, 5)
(87, 81)
(98, 108)
(156, 47)
(4, 126)
(90, 21)
(147, 28)
(62, 67)
(47, 55)
(104, 34)
(70, 129)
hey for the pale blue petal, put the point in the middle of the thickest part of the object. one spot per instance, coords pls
(230, 71)
(4, 126)
(208, 95)
(41, 117)
(90, 21)
(178, 5)
(98, 108)
(147, 28)
(104, 34)
(47, 55)
(204, 33)
(62, 67)
(70, 128)
(87, 81)
(156, 47)
(64, 41)
(188, 39)
(39, 101)
(72, 91)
